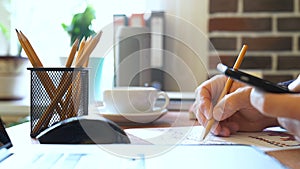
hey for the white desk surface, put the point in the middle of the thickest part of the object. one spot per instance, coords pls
(20, 137)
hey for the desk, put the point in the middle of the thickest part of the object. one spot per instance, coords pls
(289, 158)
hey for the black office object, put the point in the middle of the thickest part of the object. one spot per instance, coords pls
(84, 130)
(252, 80)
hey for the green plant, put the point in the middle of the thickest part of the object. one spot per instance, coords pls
(81, 25)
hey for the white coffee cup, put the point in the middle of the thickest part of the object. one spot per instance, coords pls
(123, 100)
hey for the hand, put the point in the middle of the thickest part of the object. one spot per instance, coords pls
(234, 112)
(276, 105)
(284, 106)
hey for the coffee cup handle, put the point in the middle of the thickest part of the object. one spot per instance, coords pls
(167, 100)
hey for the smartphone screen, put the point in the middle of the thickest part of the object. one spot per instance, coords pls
(252, 80)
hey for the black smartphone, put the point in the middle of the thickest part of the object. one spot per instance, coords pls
(252, 80)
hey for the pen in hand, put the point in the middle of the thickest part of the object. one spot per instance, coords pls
(226, 88)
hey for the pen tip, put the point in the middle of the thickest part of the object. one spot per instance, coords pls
(202, 137)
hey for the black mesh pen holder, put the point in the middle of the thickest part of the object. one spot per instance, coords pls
(57, 94)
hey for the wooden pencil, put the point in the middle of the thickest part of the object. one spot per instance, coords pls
(88, 42)
(65, 85)
(45, 79)
(28, 52)
(44, 119)
(72, 53)
(32, 51)
(71, 99)
(64, 103)
(226, 88)
(80, 51)
(90, 46)
(35, 61)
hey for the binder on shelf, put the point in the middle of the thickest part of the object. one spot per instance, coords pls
(156, 23)
(145, 67)
(137, 20)
(119, 20)
(132, 56)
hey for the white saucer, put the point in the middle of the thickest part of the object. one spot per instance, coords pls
(133, 117)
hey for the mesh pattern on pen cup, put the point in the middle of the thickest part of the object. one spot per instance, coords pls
(57, 94)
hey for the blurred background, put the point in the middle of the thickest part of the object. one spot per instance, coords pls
(196, 36)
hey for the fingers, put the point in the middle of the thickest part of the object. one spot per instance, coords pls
(276, 105)
(225, 128)
(219, 128)
(232, 103)
(206, 95)
(227, 107)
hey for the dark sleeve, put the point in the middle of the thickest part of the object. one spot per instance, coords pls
(285, 83)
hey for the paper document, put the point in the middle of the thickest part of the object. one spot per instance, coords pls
(267, 140)
(145, 157)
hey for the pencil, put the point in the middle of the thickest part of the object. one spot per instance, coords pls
(227, 87)
(67, 83)
(80, 50)
(72, 53)
(30, 48)
(89, 47)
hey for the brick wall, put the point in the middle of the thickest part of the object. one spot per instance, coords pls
(271, 29)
